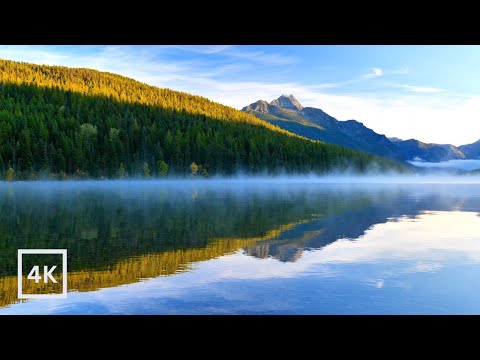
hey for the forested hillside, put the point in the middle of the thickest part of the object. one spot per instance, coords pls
(64, 122)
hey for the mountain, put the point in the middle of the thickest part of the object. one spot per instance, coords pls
(85, 123)
(414, 149)
(472, 151)
(351, 220)
(288, 102)
(287, 113)
(394, 139)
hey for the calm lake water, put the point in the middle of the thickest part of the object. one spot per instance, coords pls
(248, 247)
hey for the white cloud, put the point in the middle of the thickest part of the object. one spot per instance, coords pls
(201, 49)
(236, 52)
(432, 244)
(401, 71)
(427, 116)
(261, 56)
(420, 89)
(375, 72)
(429, 252)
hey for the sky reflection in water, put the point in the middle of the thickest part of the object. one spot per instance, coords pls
(307, 249)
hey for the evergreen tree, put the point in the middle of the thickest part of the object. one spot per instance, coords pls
(146, 170)
(162, 168)
(85, 123)
(10, 174)
(121, 172)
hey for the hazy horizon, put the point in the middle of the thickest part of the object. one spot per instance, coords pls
(333, 178)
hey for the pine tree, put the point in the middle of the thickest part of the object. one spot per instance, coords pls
(62, 120)
(146, 170)
(10, 173)
(121, 173)
(162, 168)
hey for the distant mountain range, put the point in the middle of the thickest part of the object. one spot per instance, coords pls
(288, 113)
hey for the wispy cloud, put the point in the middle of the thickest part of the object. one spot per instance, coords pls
(201, 49)
(261, 56)
(401, 71)
(236, 52)
(32, 54)
(326, 86)
(421, 89)
(395, 258)
(374, 72)
(227, 69)
(234, 81)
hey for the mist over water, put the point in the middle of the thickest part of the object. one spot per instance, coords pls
(250, 245)
(467, 165)
(213, 181)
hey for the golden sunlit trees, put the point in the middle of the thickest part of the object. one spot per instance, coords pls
(58, 120)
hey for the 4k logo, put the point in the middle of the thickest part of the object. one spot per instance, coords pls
(45, 280)
(48, 274)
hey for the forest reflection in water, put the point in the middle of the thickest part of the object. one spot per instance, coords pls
(121, 233)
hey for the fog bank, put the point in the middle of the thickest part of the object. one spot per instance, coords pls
(445, 178)
(467, 165)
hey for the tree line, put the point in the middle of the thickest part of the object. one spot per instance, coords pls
(79, 123)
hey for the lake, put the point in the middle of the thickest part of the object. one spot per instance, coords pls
(264, 246)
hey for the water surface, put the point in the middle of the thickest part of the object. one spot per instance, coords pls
(249, 247)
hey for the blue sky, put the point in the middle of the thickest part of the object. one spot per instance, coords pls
(431, 93)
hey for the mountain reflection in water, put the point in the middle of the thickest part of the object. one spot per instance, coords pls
(338, 239)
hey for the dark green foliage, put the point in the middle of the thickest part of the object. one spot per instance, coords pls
(103, 224)
(146, 170)
(121, 174)
(82, 123)
(162, 168)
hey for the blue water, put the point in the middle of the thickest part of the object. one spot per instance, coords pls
(302, 247)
